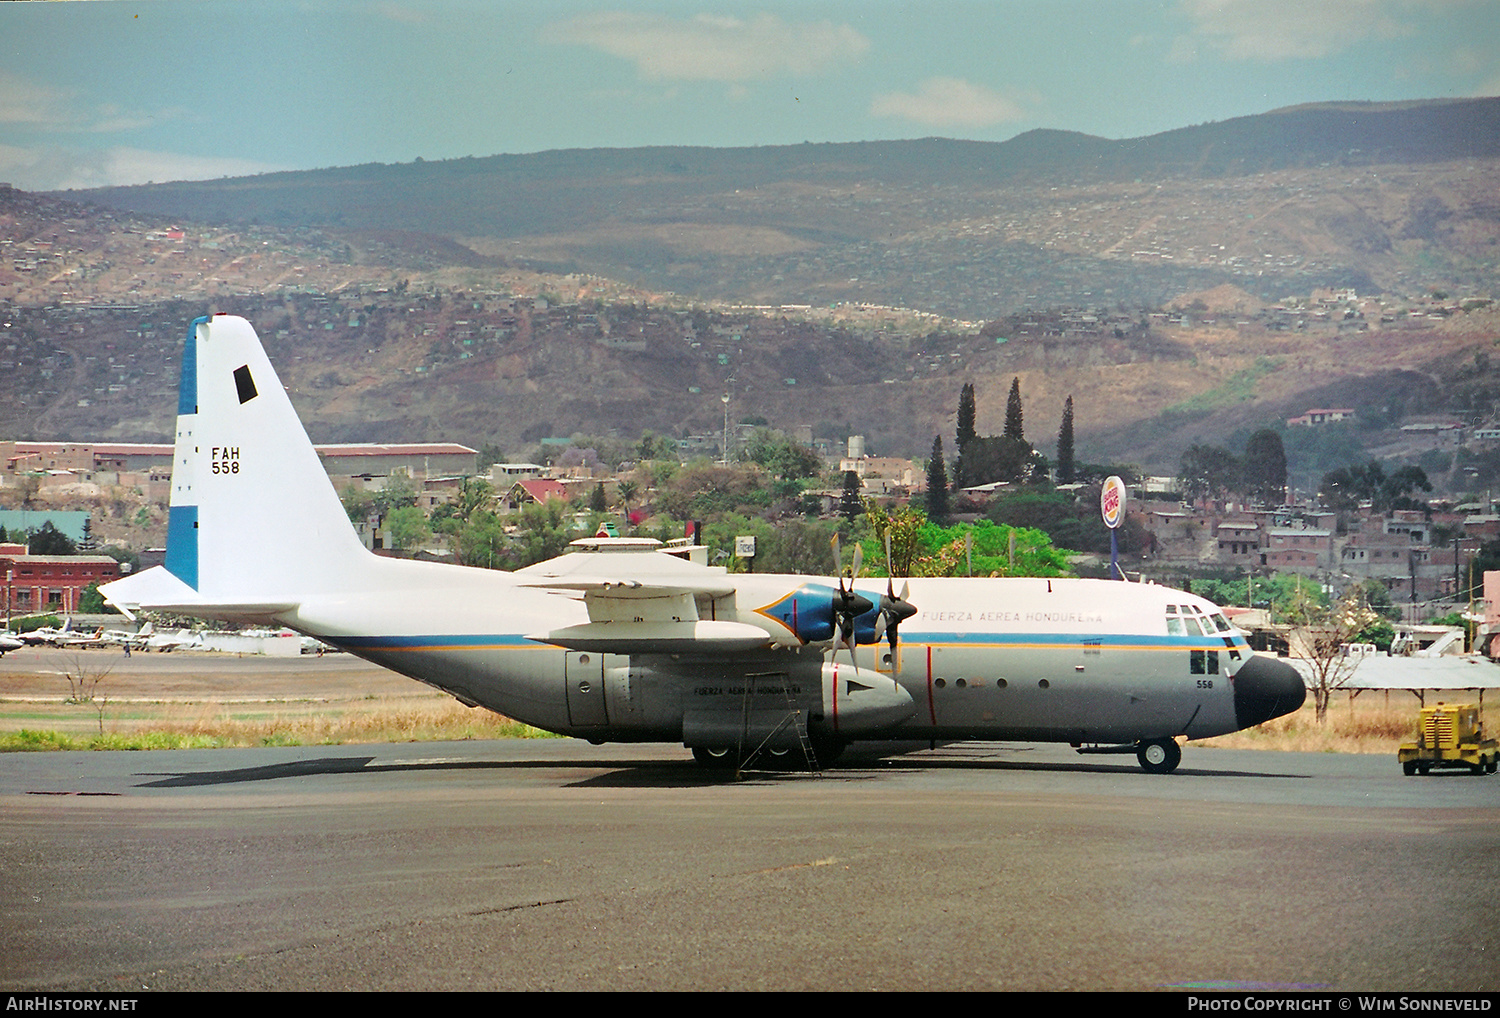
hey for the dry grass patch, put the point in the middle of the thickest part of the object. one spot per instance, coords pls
(1369, 723)
(296, 723)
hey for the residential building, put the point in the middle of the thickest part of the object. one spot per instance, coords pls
(51, 583)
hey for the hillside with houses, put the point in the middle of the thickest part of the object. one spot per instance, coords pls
(776, 360)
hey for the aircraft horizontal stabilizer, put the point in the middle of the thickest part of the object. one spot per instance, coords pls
(157, 589)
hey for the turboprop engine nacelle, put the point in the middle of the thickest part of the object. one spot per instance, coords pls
(860, 701)
(848, 702)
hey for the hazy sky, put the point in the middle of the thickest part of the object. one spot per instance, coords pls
(125, 92)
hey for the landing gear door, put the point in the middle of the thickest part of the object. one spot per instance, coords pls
(585, 686)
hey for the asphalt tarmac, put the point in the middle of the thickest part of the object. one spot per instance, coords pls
(553, 864)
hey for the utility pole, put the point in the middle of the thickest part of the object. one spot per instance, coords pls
(726, 427)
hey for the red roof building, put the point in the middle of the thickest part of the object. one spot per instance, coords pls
(52, 583)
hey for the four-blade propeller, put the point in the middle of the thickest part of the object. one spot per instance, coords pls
(848, 605)
(893, 610)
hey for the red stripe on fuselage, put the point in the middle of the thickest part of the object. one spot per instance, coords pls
(931, 707)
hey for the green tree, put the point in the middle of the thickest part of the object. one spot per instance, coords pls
(655, 447)
(1281, 594)
(407, 527)
(628, 491)
(903, 528)
(1263, 472)
(545, 532)
(994, 550)
(1322, 633)
(91, 602)
(966, 415)
(1065, 445)
(997, 458)
(851, 504)
(48, 540)
(28, 486)
(937, 483)
(782, 457)
(489, 454)
(703, 488)
(1345, 488)
(398, 493)
(480, 541)
(1208, 471)
(1013, 426)
(474, 493)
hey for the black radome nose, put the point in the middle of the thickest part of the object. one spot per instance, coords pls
(1265, 688)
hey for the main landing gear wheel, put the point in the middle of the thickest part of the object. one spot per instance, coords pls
(1159, 756)
(720, 758)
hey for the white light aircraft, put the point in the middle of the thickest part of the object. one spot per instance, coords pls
(619, 641)
(67, 637)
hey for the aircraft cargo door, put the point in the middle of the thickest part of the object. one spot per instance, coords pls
(585, 685)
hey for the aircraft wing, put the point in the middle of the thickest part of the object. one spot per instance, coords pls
(640, 617)
(627, 588)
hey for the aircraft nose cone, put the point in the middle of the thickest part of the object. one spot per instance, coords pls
(1265, 688)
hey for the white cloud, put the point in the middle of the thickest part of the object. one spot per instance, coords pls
(709, 48)
(44, 107)
(26, 102)
(1271, 30)
(56, 168)
(949, 102)
(404, 13)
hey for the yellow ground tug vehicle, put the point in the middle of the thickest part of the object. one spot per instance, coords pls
(1451, 735)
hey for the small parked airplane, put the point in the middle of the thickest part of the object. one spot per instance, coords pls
(619, 641)
(67, 636)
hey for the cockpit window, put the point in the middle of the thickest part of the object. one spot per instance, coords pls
(1221, 622)
(1174, 626)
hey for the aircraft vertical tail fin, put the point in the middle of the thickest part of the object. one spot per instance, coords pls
(254, 519)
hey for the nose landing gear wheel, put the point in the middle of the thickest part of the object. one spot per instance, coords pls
(1159, 756)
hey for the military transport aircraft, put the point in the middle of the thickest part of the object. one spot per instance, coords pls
(619, 641)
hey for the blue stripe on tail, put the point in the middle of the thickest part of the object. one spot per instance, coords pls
(182, 544)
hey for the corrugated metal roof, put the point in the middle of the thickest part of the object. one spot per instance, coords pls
(1380, 671)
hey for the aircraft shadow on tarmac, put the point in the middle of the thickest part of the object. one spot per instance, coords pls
(624, 772)
(861, 766)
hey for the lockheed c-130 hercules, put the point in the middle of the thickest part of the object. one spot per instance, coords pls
(619, 640)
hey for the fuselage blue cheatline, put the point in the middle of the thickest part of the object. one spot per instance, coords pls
(620, 641)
